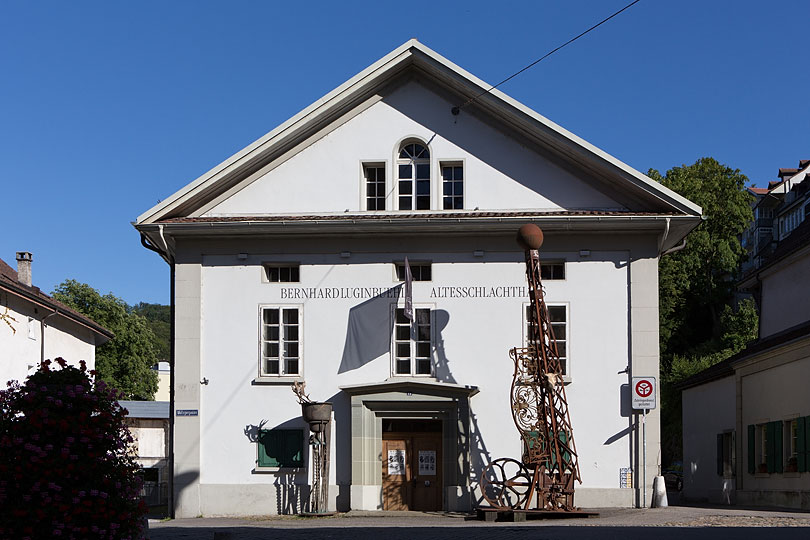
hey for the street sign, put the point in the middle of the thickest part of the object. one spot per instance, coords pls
(643, 392)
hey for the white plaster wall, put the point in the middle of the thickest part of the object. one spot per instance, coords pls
(21, 348)
(784, 302)
(475, 341)
(789, 382)
(499, 173)
(708, 409)
(150, 437)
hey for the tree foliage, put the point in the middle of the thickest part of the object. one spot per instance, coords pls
(65, 465)
(158, 317)
(125, 361)
(699, 326)
(697, 283)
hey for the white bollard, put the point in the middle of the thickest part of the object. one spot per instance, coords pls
(659, 498)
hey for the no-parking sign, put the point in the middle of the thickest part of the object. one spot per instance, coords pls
(643, 389)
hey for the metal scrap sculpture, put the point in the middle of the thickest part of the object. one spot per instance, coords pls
(544, 478)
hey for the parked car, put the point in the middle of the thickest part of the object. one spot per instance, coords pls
(673, 475)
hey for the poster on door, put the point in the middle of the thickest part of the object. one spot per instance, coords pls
(427, 463)
(396, 462)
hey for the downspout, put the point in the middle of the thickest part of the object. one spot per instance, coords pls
(42, 332)
(170, 458)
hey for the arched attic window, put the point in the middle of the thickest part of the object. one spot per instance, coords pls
(413, 176)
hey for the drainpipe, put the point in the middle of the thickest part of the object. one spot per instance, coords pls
(170, 458)
(42, 332)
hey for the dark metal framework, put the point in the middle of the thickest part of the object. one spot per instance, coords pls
(544, 478)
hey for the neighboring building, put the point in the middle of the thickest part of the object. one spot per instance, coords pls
(746, 421)
(35, 327)
(164, 381)
(287, 265)
(148, 421)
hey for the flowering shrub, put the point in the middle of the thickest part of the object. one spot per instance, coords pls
(66, 470)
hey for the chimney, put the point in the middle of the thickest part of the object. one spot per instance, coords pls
(24, 259)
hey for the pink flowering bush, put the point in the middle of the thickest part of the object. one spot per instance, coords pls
(66, 470)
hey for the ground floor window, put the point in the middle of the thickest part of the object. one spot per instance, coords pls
(280, 448)
(765, 448)
(280, 341)
(558, 316)
(412, 342)
(726, 454)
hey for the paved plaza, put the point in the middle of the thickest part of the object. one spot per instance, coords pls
(675, 522)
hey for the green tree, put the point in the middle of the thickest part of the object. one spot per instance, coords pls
(696, 283)
(125, 361)
(158, 317)
(699, 326)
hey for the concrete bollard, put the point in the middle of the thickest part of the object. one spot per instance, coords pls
(659, 498)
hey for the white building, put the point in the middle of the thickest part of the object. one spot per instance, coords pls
(35, 327)
(746, 421)
(287, 265)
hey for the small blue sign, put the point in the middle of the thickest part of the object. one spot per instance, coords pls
(188, 412)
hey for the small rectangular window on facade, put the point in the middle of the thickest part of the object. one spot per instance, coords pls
(552, 270)
(280, 342)
(420, 271)
(412, 342)
(791, 431)
(282, 273)
(280, 448)
(375, 186)
(558, 316)
(726, 454)
(452, 186)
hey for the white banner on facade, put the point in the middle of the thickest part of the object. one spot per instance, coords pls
(396, 462)
(427, 463)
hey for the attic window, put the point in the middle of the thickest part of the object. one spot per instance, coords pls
(282, 273)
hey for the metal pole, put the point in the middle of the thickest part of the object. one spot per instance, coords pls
(644, 459)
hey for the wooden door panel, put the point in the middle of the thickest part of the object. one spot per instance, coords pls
(396, 475)
(427, 472)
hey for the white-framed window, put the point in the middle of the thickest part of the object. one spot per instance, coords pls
(280, 341)
(412, 342)
(762, 448)
(558, 316)
(791, 445)
(726, 454)
(420, 270)
(374, 178)
(282, 272)
(413, 177)
(452, 185)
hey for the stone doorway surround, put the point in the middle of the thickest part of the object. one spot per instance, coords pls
(417, 399)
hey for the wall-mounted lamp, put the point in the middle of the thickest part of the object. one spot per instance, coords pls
(204, 381)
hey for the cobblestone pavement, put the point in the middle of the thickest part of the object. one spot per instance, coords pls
(675, 523)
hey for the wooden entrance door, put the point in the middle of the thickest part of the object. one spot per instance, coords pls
(412, 468)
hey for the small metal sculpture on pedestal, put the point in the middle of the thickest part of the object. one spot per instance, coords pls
(543, 480)
(319, 417)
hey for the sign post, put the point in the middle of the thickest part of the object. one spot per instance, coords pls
(643, 392)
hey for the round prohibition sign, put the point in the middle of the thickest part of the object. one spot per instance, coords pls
(644, 388)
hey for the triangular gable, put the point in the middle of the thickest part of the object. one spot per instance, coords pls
(360, 92)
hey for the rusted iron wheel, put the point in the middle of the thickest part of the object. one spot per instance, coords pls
(506, 483)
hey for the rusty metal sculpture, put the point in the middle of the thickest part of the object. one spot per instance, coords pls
(544, 478)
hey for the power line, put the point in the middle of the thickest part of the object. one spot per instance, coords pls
(455, 110)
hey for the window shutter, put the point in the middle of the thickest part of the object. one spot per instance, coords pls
(779, 443)
(801, 445)
(752, 466)
(720, 454)
(281, 448)
(770, 432)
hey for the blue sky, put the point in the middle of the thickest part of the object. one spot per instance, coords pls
(107, 107)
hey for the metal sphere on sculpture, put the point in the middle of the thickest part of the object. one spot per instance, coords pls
(530, 236)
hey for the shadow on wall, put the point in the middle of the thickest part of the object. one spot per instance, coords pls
(342, 441)
(442, 367)
(479, 461)
(369, 330)
(292, 488)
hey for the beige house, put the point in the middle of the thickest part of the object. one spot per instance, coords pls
(746, 421)
(35, 327)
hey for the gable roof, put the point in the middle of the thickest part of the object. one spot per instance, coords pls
(354, 92)
(10, 283)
